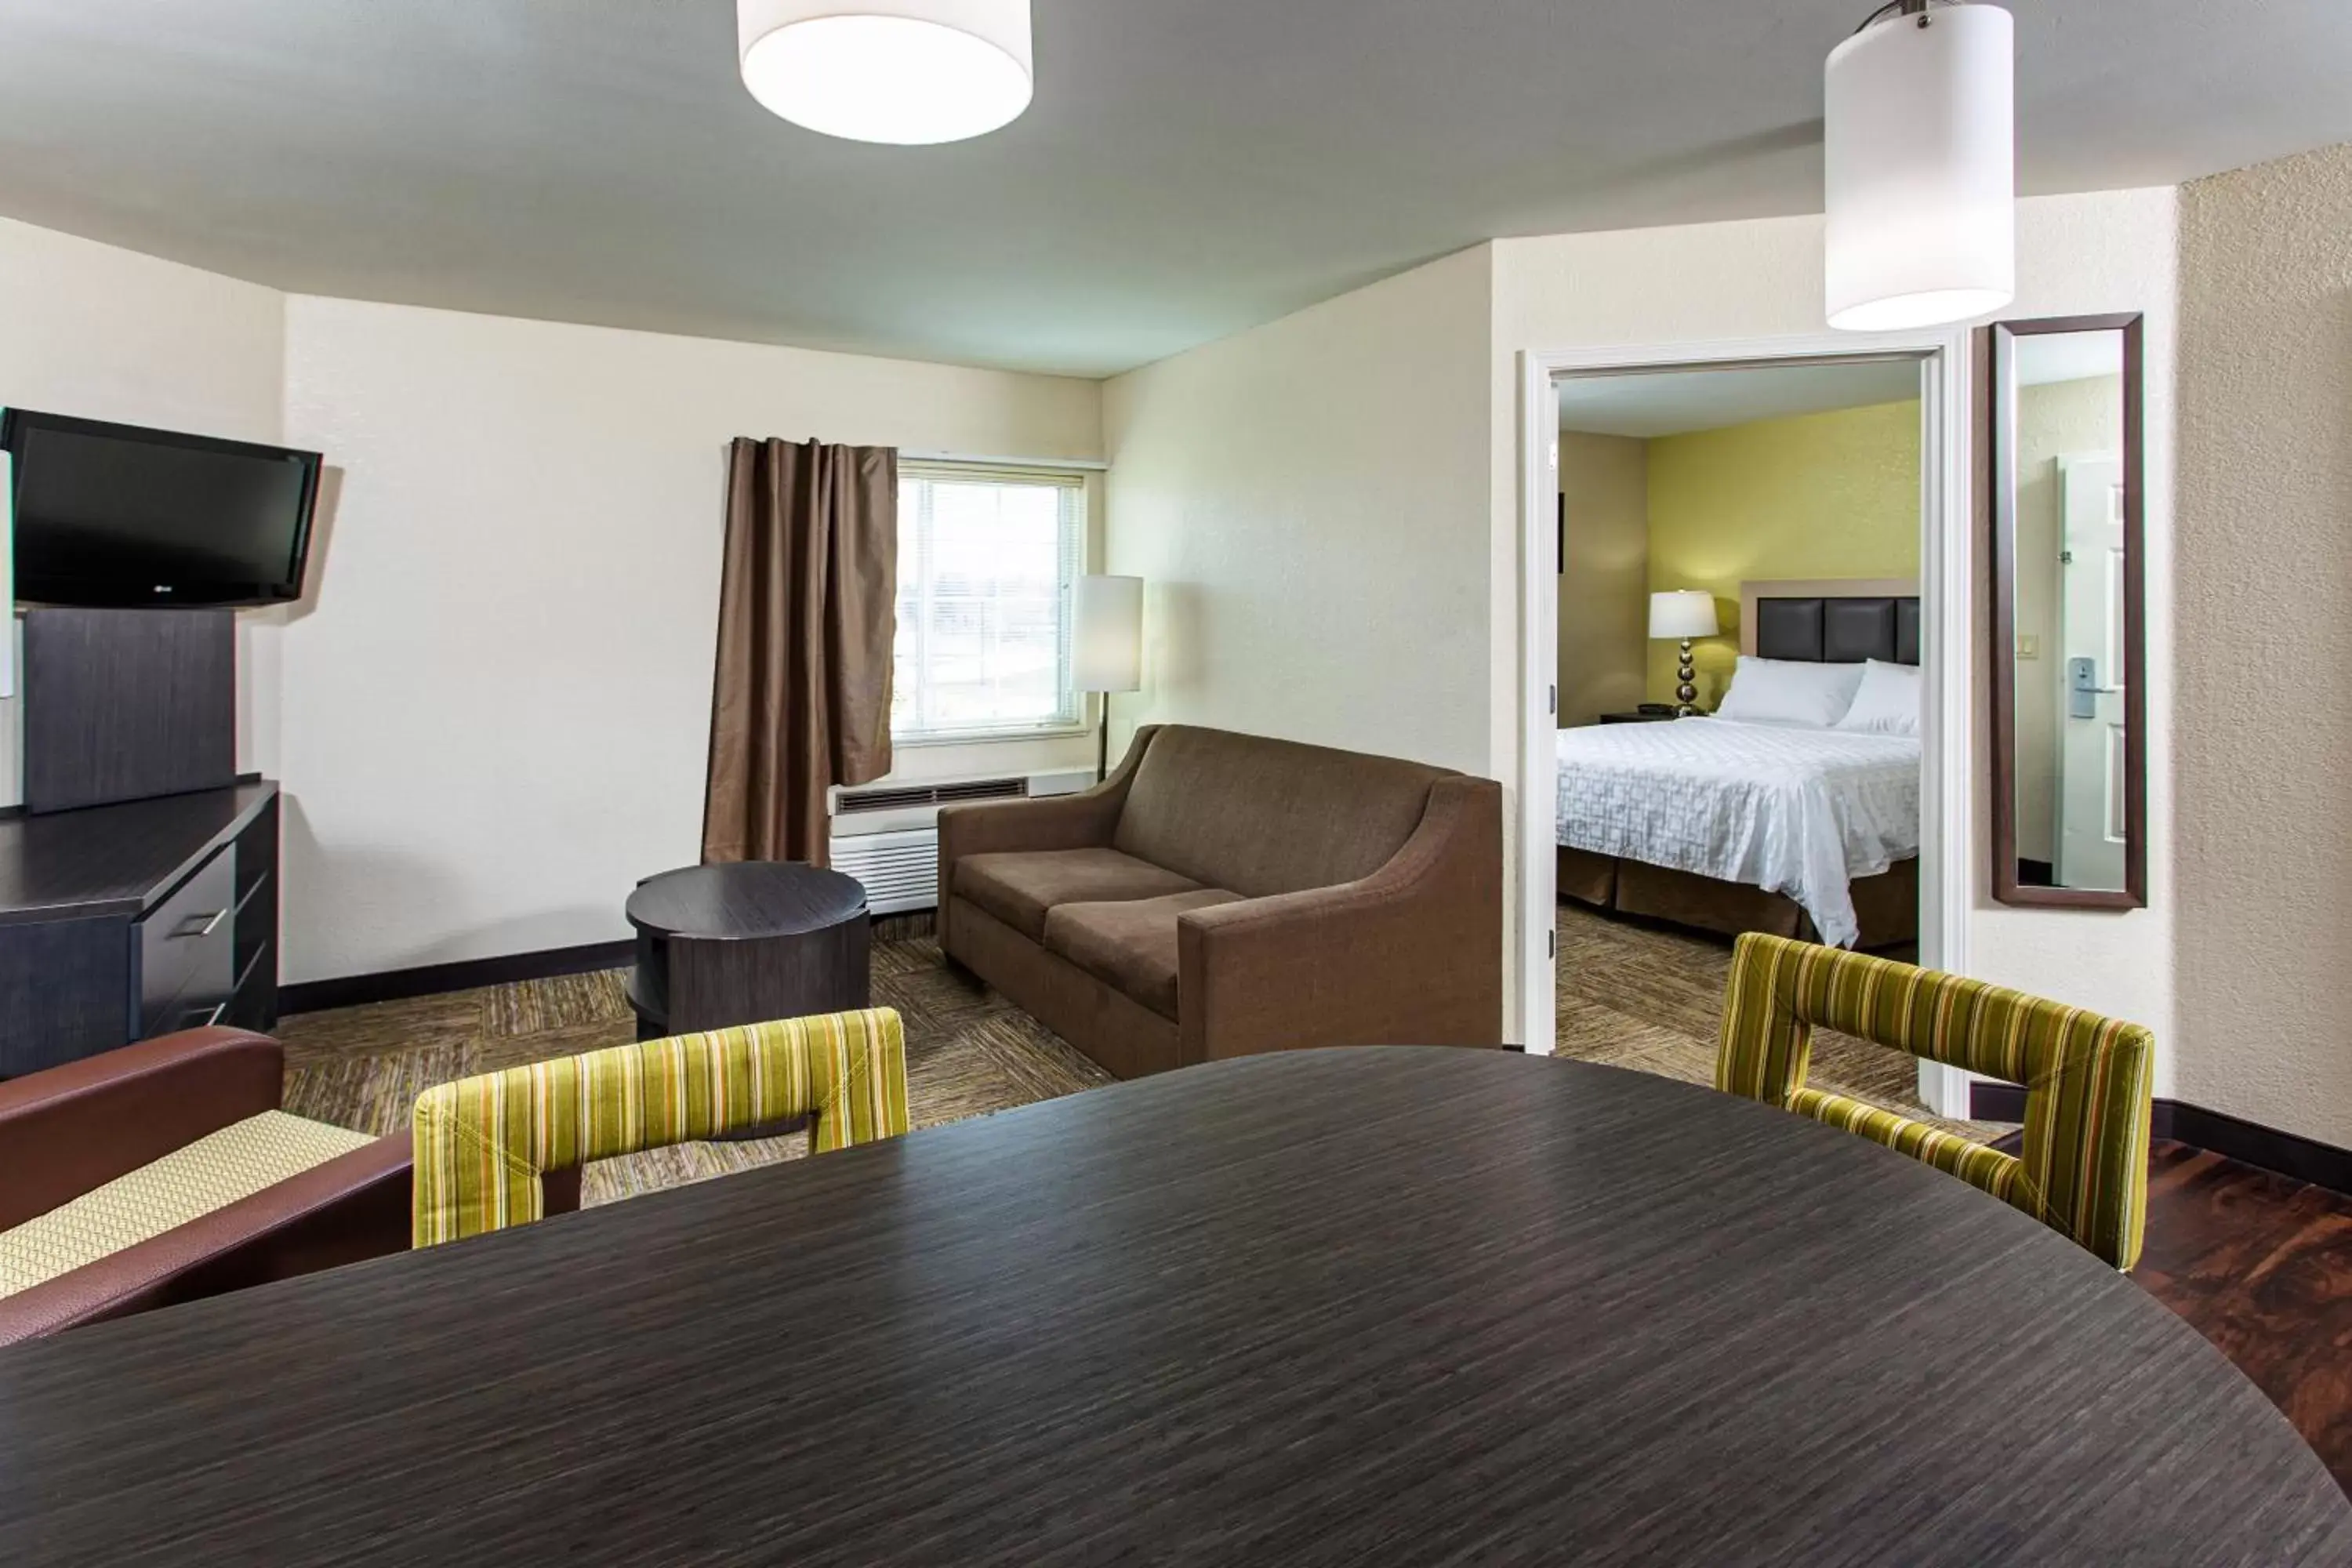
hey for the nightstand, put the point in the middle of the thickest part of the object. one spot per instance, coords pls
(1637, 718)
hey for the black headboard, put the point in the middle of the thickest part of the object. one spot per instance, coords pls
(1831, 627)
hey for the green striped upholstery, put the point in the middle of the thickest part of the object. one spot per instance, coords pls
(2084, 1171)
(482, 1143)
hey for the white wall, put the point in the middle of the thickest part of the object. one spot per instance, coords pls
(491, 710)
(497, 695)
(1292, 498)
(1325, 568)
(2266, 734)
(90, 330)
(2105, 252)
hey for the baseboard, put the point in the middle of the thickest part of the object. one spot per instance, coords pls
(437, 979)
(2267, 1148)
(433, 979)
(2232, 1137)
(1995, 1102)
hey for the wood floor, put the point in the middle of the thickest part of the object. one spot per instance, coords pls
(2262, 1266)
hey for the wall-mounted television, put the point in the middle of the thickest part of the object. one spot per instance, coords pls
(119, 515)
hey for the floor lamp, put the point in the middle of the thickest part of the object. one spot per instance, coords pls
(1110, 655)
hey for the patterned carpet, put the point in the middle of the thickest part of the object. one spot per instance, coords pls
(1638, 994)
(969, 1052)
(1632, 996)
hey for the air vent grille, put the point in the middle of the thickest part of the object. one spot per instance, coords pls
(900, 870)
(898, 797)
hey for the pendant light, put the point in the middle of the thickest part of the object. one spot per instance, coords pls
(910, 72)
(1921, 137)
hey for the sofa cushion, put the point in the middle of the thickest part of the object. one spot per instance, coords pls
(210, 1173)
(1129, 946)
(1264, 816)
(1019, 888)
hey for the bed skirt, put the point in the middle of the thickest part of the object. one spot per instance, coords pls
(1886, 906)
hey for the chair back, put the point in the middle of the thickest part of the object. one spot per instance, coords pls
(2084, 1167)
(483, 1143)
(1259, 816)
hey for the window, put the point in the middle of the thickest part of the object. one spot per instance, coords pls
(988, 560)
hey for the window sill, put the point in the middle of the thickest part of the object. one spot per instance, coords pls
(992, 737)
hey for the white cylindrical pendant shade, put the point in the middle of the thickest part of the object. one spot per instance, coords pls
(910, 72)
(1921, 168)
(1109, 656)
(1684, 613)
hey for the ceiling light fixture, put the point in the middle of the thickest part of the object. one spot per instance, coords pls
(910, 72)
(1921, 139)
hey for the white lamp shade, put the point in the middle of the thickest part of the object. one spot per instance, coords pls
(1685, 612)
(1110, 651)
(1922, 170)
(910, 72)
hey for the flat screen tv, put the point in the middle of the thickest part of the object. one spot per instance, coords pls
(118, 515)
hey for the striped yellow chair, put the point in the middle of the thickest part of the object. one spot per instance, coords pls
(483, 1143)
(2083, 1169)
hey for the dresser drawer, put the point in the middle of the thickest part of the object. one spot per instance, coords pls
(185, 1014)
(187, 949)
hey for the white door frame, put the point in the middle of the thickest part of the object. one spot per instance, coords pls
(1946, 653)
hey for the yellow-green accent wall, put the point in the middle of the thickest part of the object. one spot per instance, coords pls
(1604, 584)
(1816, 495)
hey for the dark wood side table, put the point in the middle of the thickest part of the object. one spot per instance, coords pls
(1637, 718)
(721, 945)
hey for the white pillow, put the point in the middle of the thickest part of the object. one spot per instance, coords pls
(1888, 701)
(1790, 692)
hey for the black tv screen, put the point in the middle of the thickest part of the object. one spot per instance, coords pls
(115, 514)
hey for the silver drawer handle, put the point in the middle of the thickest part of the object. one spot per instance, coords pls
(211, 924)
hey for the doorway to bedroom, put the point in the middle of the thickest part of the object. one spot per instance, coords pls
(1740, 738)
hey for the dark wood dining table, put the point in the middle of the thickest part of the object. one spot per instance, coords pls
(1386, 1305)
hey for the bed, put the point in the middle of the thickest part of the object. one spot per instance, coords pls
(1736, 827)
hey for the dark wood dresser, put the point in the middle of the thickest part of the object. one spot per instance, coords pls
(120, 922)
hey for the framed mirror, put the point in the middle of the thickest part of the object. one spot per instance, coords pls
(2069, 703)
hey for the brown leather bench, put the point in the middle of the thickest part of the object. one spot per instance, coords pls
(1226, 894)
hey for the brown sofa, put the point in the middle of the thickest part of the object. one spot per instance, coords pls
(1226, 894)
(73, 1129)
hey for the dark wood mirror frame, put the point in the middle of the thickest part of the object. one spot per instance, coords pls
(2001, 341)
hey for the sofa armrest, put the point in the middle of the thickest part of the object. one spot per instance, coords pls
(1412, 954)
(354, 1206)
(1088, 820)
(76, 1127)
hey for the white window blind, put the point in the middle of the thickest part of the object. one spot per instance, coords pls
(987, 561)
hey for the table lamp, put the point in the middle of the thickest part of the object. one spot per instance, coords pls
(1109, 656)
(1687, 614)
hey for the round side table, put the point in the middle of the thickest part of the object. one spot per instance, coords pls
(745, 943)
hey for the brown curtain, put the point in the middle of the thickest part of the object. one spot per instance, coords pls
(806, 613)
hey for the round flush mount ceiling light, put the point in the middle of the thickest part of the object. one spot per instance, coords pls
(910, 72)
(1922, 180)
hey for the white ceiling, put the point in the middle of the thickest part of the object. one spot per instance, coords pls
(1191, 167)
(1674, 403)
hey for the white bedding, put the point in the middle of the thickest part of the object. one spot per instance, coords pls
(1793, 810)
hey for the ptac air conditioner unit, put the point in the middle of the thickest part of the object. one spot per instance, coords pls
(887, 835)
